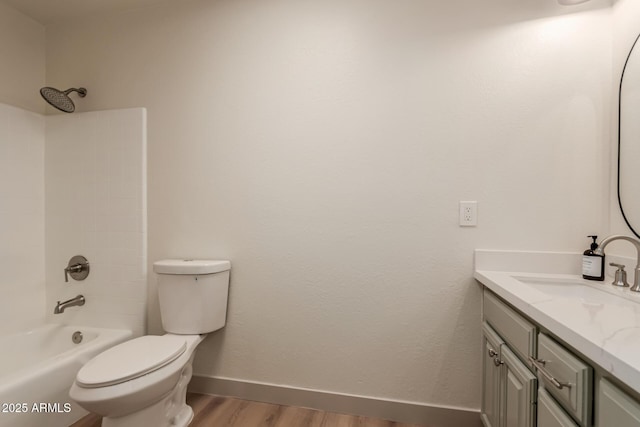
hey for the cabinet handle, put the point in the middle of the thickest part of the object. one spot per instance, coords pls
(539, 364)
(492, 352)
(497, 361)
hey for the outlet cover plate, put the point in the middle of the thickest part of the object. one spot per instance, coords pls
(468, 214)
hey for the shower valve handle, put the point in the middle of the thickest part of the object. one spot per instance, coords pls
(78, 268)
(72, 269)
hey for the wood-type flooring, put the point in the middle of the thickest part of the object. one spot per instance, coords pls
(218, 411)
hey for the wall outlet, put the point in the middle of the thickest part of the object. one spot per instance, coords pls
(468, 214)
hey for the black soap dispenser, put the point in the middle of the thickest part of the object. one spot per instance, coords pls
(592, 262)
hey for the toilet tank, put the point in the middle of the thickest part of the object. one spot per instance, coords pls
(193, 295)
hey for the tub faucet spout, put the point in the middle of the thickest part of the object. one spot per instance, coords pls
(636, 244)
(61, 306)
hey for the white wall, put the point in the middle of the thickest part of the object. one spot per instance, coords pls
(323, 148)
(96, 207)
(22, 60)
(22, 286)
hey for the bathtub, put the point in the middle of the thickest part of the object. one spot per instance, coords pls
(38, 367)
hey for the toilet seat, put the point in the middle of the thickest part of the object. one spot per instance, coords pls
(130, 360)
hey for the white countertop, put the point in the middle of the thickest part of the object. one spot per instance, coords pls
(607, 331)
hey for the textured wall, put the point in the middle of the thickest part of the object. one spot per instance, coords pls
(22, 60)
(323, 147)
(21, 219)
(96, 206)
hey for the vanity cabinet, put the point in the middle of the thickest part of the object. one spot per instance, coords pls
(518, 358)
(509, 386)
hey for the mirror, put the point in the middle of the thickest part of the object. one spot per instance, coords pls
(629, 140)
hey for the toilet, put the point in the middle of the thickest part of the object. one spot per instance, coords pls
(143, 382)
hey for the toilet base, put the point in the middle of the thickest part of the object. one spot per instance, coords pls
(154, 415)
(171, 411)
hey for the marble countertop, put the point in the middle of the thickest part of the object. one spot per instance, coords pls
(606, 330)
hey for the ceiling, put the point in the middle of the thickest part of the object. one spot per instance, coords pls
(52, 11)
(55, 11)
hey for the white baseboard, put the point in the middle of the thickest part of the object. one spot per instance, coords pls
(404, 412)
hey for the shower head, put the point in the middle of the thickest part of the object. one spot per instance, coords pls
(60, 99)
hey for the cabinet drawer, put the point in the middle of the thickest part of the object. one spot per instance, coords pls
(550, 414)
(518, 332)
(572, 387)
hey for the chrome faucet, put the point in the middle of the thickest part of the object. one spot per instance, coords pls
(636, 243)
(62, 306)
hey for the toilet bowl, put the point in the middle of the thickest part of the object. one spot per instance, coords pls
(143, 382)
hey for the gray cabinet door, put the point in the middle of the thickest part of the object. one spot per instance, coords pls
(491, 373)
(519, 392)
(614, 408)
(550, 414)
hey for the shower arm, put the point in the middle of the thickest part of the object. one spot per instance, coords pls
(81, 92)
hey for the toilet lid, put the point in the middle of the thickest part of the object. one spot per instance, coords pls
(130, 360)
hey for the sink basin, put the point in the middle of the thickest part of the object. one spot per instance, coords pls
(565, 288)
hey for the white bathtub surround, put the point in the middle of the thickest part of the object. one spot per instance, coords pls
(96, 206)
(605, 330)
(41, 366)
(95, 202)
(22, 288)
(87, 174)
